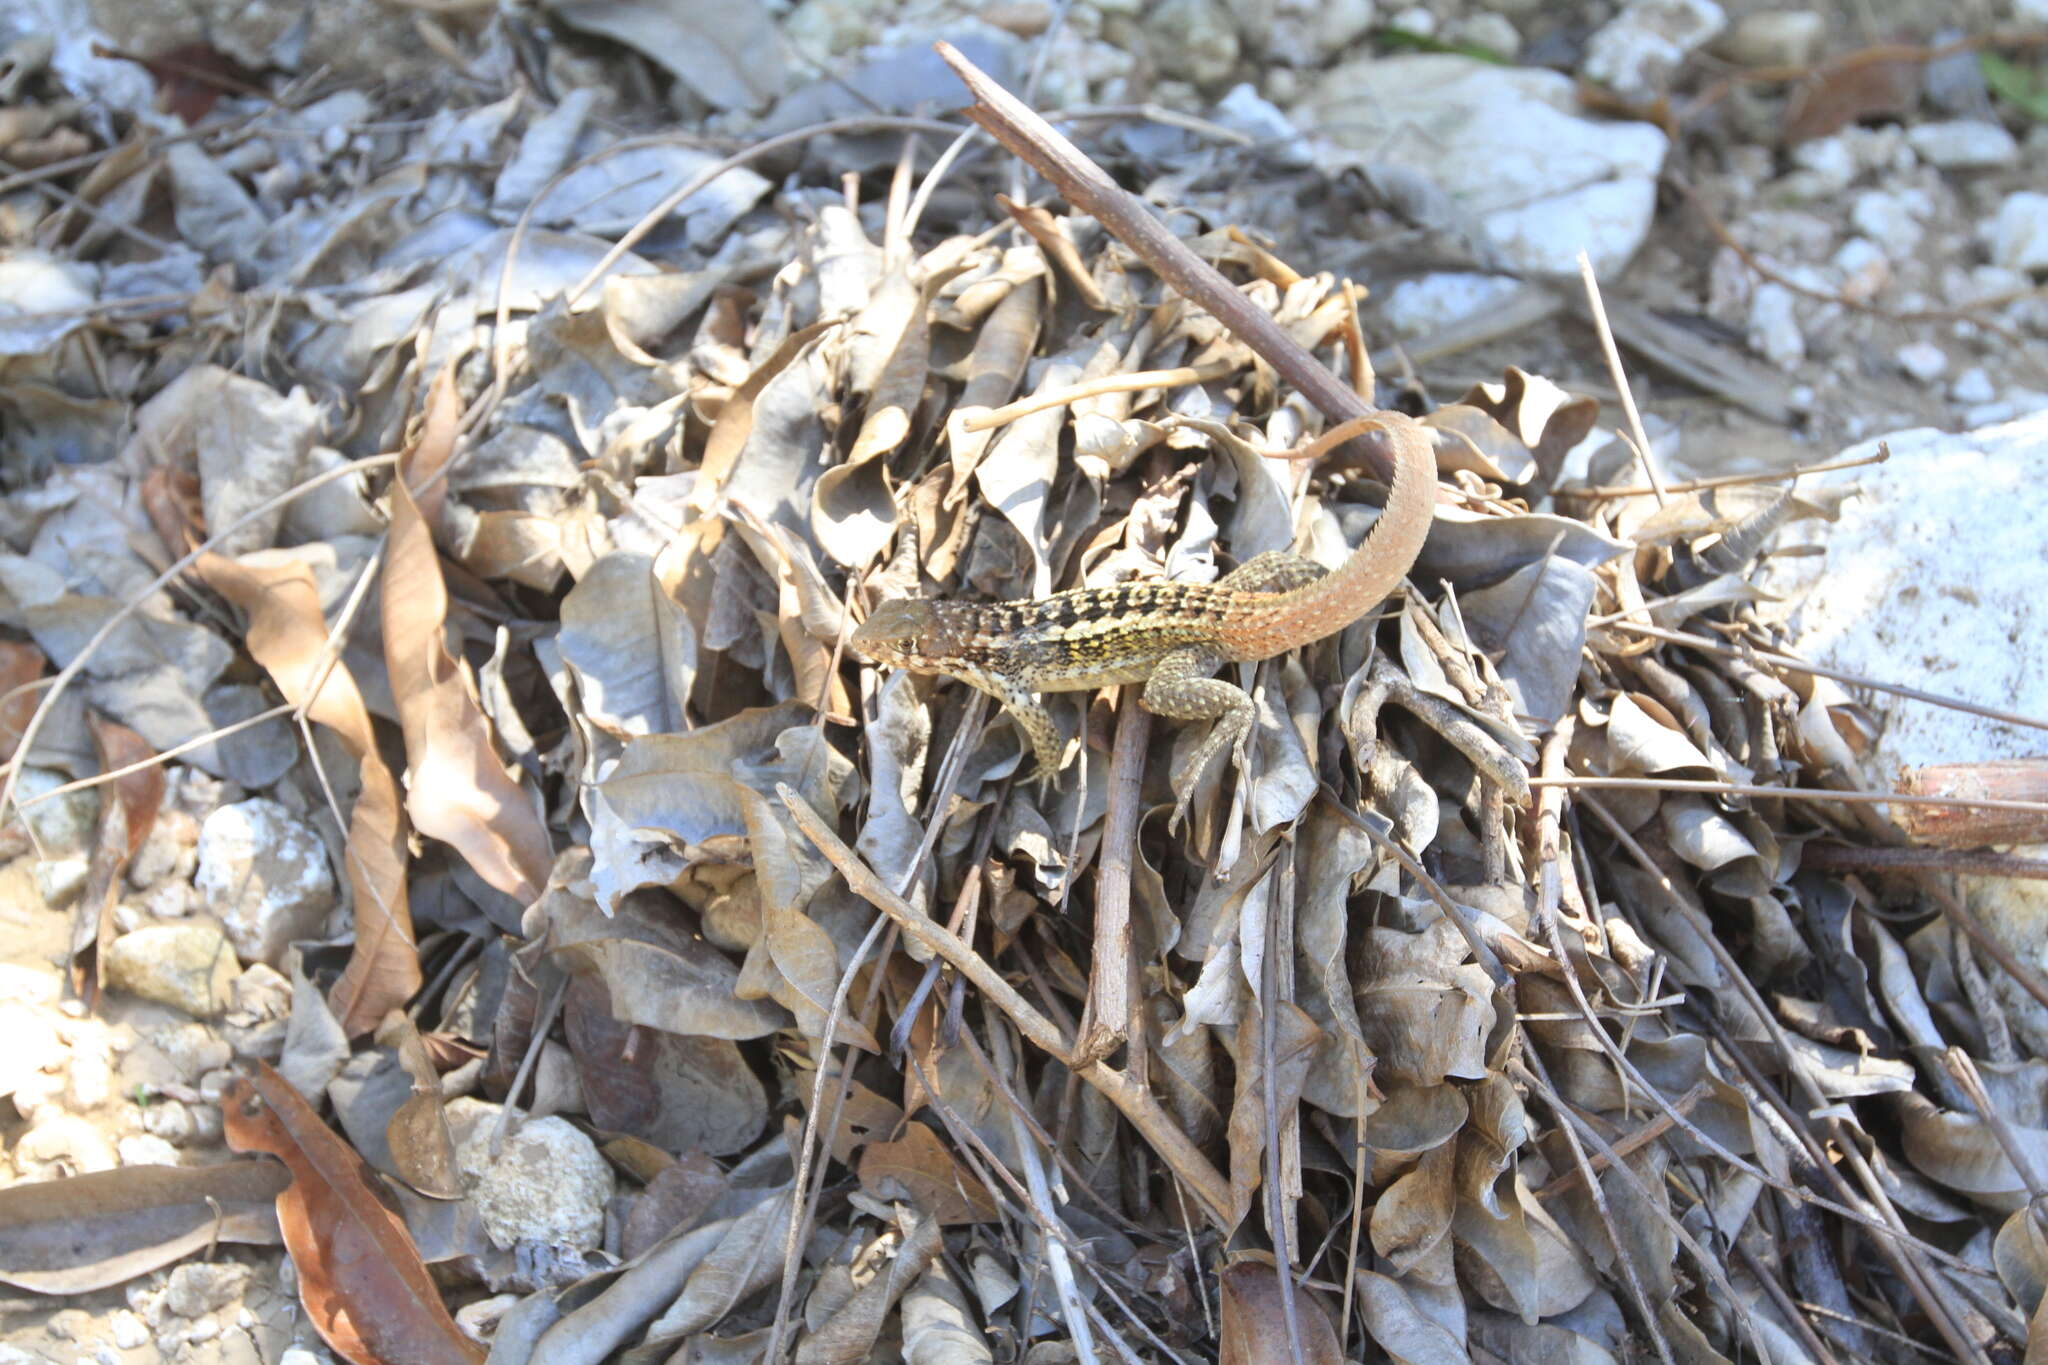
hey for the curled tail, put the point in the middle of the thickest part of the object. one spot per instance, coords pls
(1282, 621)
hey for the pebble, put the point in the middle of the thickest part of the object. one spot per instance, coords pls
(128, 1330)
(1972, 386)
(264, 874)
(188, 966)
(1894, 219)
(548, 1185)
(1419, 20)
(1773, 327)
(1923, 360)
(171, 850)
(191, 1049)
(1338, 25)
(2020, 235)
(1865, 269)
(1421, 306)
(1635, 53)
(1963, 144)
(59, 880)
(1496, 33)
(197, 1288)
(146, 1149)
(63, 824)
(1198, 40)
(1246, 111)
(1775, 37)
(60, 1144)
(32, 1063)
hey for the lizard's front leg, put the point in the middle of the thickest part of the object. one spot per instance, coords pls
(1031, 716)
(1180, 688)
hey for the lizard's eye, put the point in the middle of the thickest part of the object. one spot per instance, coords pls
(897, 629)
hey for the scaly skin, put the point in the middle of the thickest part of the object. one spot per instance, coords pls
(1169, 636)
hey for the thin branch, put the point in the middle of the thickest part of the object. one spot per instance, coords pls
(1791, 664)
(1735, 480)
(1136, 1103)
(1821, 794)
(1641, 441)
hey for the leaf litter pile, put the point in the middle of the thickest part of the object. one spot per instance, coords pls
(1522, 988)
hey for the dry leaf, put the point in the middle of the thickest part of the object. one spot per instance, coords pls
(457, 789)
(95, 1230)
(360, 1277)
(917, 1169)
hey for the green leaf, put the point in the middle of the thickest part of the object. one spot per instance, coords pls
(2020, 86)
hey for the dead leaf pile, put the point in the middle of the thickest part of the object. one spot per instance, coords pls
(1487, 1011)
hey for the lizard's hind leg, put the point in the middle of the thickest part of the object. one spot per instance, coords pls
(1180, 688)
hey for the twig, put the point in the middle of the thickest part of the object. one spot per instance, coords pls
(1089, 189)
(1735, 480)
(1136, 1103)
(1822, 794)
(1601, 329)
(1791, 664)
(1107, 1021)
(1095, 388)
(1968, 862)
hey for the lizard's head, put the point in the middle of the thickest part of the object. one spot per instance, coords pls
(908, 632)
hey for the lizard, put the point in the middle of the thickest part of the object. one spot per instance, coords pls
(1169, 636)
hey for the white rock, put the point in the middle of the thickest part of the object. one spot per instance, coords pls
(1972, 386)
(548, 1185)
(146, 1149)
(1419, 20)
(171, 850)
(32, 1061)
(1831, 159)
(1923, 360)
(1420, 306)
(192, 1049)
(188, 966)
(1917, 586)
(59, 1144)
(1894, 219)
(1337, 24)
(1774, 327)
(196, 1288)
(90, 1076)
(127, 1330)
(1246, 111)
(1516, 163)
(1865, 269)
(264, 874)
(1200, 40)
(1636, 52)
(29, 985)
(58, 880)
(1963, 144)
(2015, 403)
(2020, 236)
(1775, 37)
(1494, 32)
(62, 824)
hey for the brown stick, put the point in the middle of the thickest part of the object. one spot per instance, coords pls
(1134, 1101)
(1107, 1020)
(1085, 186)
